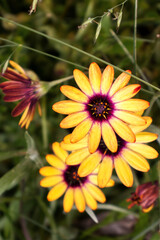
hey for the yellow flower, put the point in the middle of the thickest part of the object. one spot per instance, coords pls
(133, 154)
(64, 179)
(102, 107)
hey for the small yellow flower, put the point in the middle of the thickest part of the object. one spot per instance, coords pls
(65, 179)
(102, 107)
(133, 154)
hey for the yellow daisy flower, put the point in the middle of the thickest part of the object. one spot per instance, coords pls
(133, 154)
(102, 107)
(64, 179)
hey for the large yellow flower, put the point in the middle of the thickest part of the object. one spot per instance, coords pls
(63, 178)
(133, 154)
(102, 107)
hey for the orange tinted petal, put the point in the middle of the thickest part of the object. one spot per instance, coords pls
(95, 77)
(68, 107)
(107, 79)
(129, 117)
(73, 93)
(81, 130)
(105, 171)
(73, 119)
(94, 137)
(109, 137)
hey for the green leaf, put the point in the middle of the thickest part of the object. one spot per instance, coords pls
(98, 31)
(91, 214)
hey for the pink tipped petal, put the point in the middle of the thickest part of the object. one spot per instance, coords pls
(94, 137)
(73, 119)
(109, 137)
(132, 105)
(120, 82)
(95, 77)
(74, 93)
(68, 107)
(83, 82)
(13, 98)
(105, 171)
(126, 93)
(20, 107)
(107, 79)
(123, 171)
(143, 149)
(89, 164)
(122, 129)
(81, 130)
(129, 117)
(135, 160)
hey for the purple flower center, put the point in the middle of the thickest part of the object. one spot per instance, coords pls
(100, 107)
(102, 148)
(72, 178)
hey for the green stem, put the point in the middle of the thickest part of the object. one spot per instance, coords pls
(115, 208)
(55, 82)
(152, 226)
(76, 49)
(135, 37)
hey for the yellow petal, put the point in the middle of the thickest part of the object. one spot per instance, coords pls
(67, 139)
(123, 171)
(77, 157)
(129, 117)
(122, 129)
(95, 192)
(89, 164)
(74, 93)
(49, 171)
(68, 107)
(83, 82)
(146, 210)
(105, 171)
(59, 151)
(79, 199)
(57, 191)
(24, 115)
(50, 181)
(95, 77)
(90, 201)
(109, 137)
(55, 162)
(137, 129)
(111, 183)
(107, 79)
(145, 150)
(68, 200)
(136, 160)
(145, 137)
(94, 137)
(17, 67)
(73, 119)
(120, 82)
(75, 146)
(126, 93)
(132, 105)
(81, 130)
(93, 178)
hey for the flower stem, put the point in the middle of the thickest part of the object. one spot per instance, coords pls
(44, 123)
(56, 82)
(135, 37)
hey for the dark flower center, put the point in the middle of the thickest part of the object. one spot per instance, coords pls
(99, 107)
(105, 151)
(72, 178)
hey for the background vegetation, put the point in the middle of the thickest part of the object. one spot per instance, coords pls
(24, 210)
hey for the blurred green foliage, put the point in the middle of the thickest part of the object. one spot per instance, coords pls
(23, 205)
